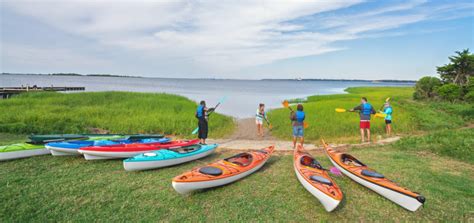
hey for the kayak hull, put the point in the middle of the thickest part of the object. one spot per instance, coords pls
(369, 178)
(129, 150)
(131, 165)
(23, 154)
(58, 151)
(328, 202)
(186, 188)
(407, 202)
(222, 172)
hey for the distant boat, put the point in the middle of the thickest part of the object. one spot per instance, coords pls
(299, 79)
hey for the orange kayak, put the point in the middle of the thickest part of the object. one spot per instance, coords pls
(369, 178)
(316, 179)
(222, 172)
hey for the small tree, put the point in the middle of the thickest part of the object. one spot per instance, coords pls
(460, 68)
(450, 92)
(426, 87)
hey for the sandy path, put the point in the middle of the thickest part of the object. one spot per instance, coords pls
(245, 138)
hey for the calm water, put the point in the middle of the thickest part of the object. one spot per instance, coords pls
(243, 96)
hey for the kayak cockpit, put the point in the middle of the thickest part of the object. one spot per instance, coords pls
(186, 149)
(351, 161)
(241, 159)
(310, 162)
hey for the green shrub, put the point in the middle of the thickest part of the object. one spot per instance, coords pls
(469, 97)
(449, 92)
(426, 87)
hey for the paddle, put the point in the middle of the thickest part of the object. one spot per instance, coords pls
(268, 123)
(286, 104)
(213, 109)
(380, 114)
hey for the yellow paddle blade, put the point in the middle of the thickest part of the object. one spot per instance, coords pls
(285, 104)
(387, 99)
(305, 125)
(340, 110)
(380, 115)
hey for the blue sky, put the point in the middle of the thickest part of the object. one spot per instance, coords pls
(241, 39)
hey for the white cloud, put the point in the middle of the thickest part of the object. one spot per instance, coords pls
(220, 35)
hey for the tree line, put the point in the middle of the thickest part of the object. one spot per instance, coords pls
(456, 82)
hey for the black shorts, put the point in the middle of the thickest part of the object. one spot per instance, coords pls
(203, 128)
(388, 122)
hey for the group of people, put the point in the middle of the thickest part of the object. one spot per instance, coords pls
(297, 118)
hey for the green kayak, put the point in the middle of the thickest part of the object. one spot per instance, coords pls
(21, 150)
(64, 137)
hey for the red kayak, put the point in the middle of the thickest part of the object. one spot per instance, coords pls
(130, 150)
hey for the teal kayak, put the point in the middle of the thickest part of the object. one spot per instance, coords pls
(168, 157)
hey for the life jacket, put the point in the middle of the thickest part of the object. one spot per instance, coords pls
(200, 111)
(300, 116)
(366, 109)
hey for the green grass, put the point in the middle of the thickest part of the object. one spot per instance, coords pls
(457, 144)
(71, 189)
(118, 112)
(410, 117)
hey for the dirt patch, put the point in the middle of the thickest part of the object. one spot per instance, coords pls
(245, 138)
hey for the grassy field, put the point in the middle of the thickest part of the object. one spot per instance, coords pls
(118, 112)
(47, 188)
(410, 117)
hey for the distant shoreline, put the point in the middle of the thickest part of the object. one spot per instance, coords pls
(284, 79)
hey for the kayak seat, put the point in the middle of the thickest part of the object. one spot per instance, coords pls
(311, 162)
(372, 174)
(320, 179)
(209, 170)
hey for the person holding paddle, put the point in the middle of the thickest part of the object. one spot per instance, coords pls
(387, 110)
(202, 116)
(259, 117)
(366, 110)
(297, 118)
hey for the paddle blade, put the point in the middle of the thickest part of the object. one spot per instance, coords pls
(340, 110)
(387, 99)
(305, 125)
(380, 115)
(195, 131)
(286, 104)
(335, 171)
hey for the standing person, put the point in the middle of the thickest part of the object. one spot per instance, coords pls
(387, 110)
(259, 117)
(366, 110)
(297, 119)
(202, 116)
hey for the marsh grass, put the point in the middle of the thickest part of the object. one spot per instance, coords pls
(118, 112)
(410, 117)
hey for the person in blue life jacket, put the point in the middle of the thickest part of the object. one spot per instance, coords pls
(388, 110)
(365, 110)
(260, 116)
(297, 119)
(202, 114)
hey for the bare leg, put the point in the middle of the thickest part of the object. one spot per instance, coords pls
(368, 135)
(258, 129)
(294, 142)
(362, 135)
(389, 129)
(302, 141)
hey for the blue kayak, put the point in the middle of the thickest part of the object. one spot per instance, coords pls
(168, 157)
(71, 147)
